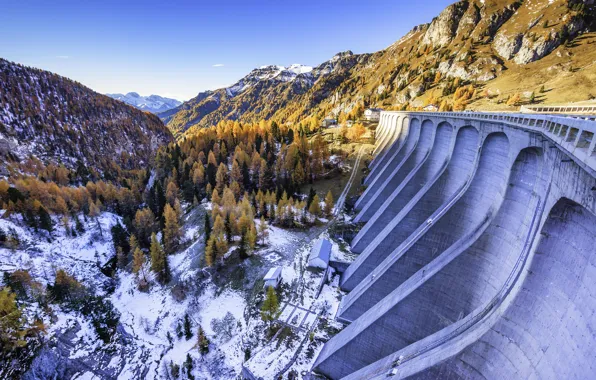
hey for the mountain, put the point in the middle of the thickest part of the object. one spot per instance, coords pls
(151, 103)
(262, 93)
(58, 120)
(498, 47)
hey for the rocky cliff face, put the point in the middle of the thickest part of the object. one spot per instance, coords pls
(473, 41)
(60, 121)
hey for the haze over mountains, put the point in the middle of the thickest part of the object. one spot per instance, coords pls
(489, 44)
(151, 103)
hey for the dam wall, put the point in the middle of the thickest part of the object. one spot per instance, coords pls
(477, 258)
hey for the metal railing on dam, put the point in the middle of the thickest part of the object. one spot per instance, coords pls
(586, 109)
(572, 133)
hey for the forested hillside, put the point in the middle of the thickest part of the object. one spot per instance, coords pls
(490, 54)
(58, 121)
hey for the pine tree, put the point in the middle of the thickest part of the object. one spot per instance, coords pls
(188, 365)
(207, 227)
(45, 221)
(311, 196)
(328, 203)
(121, 258)
(270, 307)
(187, 327)
(228, 228)
(171, 230)
(159, 261)
(242, 250)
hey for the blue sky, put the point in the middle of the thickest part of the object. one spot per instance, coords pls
(171, 48)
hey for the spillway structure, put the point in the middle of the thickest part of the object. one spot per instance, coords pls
(477, 251)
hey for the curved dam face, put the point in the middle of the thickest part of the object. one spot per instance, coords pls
(416, 151)
(388, 147)
(439, 231)
(499, 284)
(401, 147)
(548, 332)
(376, 245)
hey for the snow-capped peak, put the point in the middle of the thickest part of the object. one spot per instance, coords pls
(151, 103)
(266, 73)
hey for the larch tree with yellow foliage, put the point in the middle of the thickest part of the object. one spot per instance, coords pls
(328, 204)
(171, 232)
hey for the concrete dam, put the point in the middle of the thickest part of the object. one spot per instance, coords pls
(477, 251)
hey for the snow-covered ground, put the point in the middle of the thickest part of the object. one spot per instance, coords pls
(150, 319)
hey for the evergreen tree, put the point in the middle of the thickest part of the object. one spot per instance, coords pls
(242, 251)
(121, 258)
(188, 365)
(187, 327)
(311, 196)
(207, 227)
(159, 261)
(120, 238)
(45, 221)
(228, 228)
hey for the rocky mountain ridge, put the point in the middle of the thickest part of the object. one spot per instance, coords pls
(470, 42)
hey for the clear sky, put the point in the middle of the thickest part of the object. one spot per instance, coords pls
(178, 48)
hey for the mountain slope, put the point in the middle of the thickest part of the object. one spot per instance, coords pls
(472, 42)
(262, 93)
(151, 103)
(58, 120)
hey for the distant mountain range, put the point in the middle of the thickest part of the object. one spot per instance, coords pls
(151, 103)
(500, 47)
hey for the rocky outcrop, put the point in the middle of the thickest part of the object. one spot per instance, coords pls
(444, 28)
